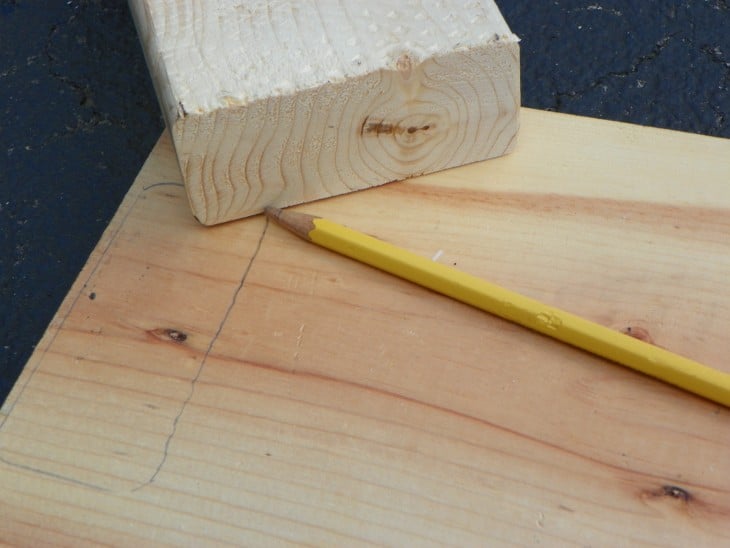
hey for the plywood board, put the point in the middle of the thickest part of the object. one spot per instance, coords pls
(236, 385)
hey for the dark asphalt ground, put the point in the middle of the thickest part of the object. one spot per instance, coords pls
(78, 116)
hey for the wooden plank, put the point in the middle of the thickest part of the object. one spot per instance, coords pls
(281, 102)
(235, 385)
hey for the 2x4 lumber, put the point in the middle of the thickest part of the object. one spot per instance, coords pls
(278, 102)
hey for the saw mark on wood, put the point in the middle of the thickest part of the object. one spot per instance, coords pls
(203, 361)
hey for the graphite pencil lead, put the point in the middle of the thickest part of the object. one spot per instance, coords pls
(300, 224)
(272, 212)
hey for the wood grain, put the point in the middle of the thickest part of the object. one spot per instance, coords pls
(233, 385)
(281, 102)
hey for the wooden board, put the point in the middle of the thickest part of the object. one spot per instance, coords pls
(279, 102)
(236, 385)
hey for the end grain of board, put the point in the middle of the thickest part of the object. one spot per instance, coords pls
(278, 102)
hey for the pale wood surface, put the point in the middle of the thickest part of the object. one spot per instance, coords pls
(279, 102)
(314, 399)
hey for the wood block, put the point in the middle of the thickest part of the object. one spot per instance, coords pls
(280, 102)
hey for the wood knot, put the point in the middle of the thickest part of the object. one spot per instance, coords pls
(381, 127)
(638, 332)
(169, 334)
(175, 335)
(402, 136)
(669, 492)
(676, 493)
(376, 128)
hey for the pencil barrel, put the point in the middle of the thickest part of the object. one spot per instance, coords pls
(548, 320)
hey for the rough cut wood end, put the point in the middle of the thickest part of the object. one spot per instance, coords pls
(278, 102)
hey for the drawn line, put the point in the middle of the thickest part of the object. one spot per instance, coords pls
(36, 366)
(38, 363)
(54, 475)
(163, 183)
(194, 381)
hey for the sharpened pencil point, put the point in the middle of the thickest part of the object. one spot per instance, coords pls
(300, 224)
(272, 212)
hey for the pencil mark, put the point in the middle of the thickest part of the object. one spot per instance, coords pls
(172, 334)
(34, 368)
(203, 361)
(38, 363)
(162, 183)
(54, 475)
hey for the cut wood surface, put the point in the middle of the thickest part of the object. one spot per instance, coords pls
(278, 102)
(236, 385)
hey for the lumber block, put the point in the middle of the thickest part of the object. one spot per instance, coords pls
(278, 102)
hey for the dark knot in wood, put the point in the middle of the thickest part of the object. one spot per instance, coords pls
(381, 127)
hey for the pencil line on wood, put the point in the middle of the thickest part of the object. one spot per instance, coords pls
(203, 361)
(91, 275)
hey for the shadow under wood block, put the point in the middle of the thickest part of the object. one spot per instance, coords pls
(283, 102)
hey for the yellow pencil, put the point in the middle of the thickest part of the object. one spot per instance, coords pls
(553, 322)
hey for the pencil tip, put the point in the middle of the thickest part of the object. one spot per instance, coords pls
(272, 212)
(299, 223)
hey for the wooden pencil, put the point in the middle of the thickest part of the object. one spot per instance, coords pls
(548, 320)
